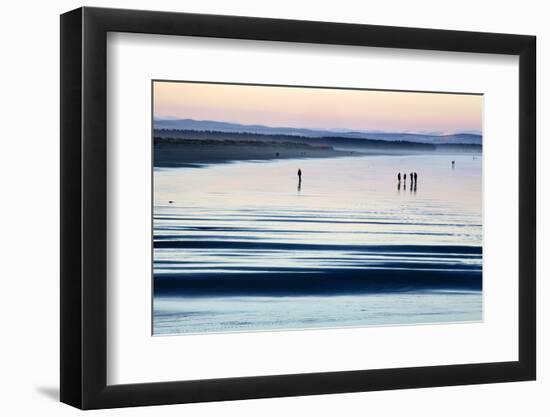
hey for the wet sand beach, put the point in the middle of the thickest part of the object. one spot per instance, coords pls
(347, 247)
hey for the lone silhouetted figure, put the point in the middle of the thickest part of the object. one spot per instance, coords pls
(453, 164)
(299, 176)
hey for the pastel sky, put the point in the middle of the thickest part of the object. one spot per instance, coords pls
(391, 111)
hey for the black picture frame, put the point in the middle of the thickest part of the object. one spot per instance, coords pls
(84, 207)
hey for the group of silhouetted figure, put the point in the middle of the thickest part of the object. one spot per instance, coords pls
(413, 176)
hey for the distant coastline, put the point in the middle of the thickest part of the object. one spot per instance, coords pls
(179, 147)
(473, 137)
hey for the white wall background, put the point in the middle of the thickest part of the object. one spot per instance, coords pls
(29, 228)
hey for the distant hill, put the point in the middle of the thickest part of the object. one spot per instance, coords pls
(210, 125)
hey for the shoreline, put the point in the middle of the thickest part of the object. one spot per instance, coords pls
(196, 154)
(193, 154)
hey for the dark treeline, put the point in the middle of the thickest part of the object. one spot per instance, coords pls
(178, 136)
(158, 140)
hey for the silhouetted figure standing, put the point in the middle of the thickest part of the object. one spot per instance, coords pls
(415, 178)
(411, 176)
(453, 164)
(398, 181)
(405, 178)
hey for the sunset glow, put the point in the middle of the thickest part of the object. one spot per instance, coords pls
(299, 107)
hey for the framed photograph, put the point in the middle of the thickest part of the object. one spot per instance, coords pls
(258, 208)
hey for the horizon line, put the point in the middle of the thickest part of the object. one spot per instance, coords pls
(323, 129)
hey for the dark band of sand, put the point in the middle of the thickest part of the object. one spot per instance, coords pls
(195, 153)
(317, 282)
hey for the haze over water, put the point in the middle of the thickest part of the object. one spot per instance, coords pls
(241, 248)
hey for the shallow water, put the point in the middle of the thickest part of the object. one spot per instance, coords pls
(242, 243)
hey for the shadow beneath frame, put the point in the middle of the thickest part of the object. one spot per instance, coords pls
(50, 392)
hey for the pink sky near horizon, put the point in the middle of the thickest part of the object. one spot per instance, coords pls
(321, 108)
